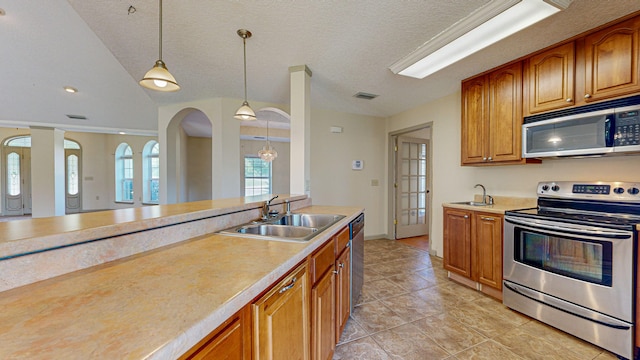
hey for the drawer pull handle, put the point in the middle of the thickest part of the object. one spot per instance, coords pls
(487, 218)
(288, 287)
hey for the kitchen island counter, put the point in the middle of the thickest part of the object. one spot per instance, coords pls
(153, 305)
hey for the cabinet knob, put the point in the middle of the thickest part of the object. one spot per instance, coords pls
(569, 100)
(484, 159)
(466, 216)
(490, 159)
(587, 96)
(341, 265)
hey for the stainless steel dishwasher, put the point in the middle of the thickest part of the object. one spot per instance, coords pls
(356, 234)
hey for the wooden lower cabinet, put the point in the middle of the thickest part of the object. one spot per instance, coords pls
(457, 241)
(473, 248)
(281, 319)
(230, 341)
(323, 317)
(487, 238)
(343, 288)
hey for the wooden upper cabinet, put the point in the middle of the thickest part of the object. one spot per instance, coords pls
(475, 112)
(505, 114)
(550, 79)
(611, 61)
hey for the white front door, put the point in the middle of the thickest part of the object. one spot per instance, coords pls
(73, 183)
(411, 183)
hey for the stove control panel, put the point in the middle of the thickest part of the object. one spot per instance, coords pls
(596, 190)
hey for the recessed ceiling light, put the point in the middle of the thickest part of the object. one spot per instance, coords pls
(122, 133)
(70, 89)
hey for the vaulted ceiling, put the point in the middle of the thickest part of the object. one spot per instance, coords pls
(104, 48)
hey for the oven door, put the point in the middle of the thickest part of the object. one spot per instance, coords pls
(585, 265)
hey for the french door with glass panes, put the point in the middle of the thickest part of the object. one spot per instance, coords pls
(411, 182)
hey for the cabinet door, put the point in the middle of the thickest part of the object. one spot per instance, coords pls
(487, 240)
(550, 79)
(611, 61)
(475, 109)
(323, 317)
(230, 341)
(505, 114)
(457, 241)
(343, 296)
(281, 319)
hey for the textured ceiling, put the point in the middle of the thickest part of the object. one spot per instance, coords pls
(347, 44)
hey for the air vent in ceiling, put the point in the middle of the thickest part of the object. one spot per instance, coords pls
(77, 117)
(364, 95)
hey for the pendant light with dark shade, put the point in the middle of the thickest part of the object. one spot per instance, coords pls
(245, 112)
(159, 78)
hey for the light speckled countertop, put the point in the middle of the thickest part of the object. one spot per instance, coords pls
(501, 204)
(152, 305)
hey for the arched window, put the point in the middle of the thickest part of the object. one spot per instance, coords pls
(151, 172)
(124, 173)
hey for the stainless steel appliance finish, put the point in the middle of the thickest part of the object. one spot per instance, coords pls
(571, 261)
(356, 234)
(598, 129)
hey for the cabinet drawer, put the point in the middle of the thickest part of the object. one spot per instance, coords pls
(342, 240)
(322, 260)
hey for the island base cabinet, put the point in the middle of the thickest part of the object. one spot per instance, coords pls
(230, 341)
(323, 313)
(281, 319)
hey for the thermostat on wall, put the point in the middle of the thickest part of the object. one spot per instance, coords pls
(357, 164)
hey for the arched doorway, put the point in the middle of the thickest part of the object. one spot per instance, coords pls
(188, 152)
(16, 170)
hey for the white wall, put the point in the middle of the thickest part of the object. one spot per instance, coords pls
(198, 168)
(333, 182)
(452, 182)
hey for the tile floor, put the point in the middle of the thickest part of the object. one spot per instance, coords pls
(410, 310)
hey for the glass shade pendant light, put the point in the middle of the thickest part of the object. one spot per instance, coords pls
(268, 153)
(245, 112)
(159, 78)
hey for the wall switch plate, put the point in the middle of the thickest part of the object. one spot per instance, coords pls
(357, 164)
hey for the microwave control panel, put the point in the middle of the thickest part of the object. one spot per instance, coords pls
(627, 128)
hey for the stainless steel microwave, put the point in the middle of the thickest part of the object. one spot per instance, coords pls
(607, 130)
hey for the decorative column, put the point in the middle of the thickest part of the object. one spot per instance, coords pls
(300, 77)
(47, 172)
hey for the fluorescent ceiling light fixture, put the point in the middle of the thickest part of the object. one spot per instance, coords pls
(489, 24)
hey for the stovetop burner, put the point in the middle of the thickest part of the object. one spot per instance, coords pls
(611, 204)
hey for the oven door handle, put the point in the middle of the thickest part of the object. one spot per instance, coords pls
(599, 233)
(566, 307)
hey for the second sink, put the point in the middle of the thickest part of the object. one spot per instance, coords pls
(471, 203)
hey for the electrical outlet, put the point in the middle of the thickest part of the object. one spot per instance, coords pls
(374, 182)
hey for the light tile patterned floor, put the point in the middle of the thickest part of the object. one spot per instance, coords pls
(410, 310)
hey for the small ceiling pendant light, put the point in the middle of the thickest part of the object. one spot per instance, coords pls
(245, 112)
(268, 153)
(159, 78)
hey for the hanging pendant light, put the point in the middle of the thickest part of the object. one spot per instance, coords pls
(245, 112)
(159, 78)
(268, 153)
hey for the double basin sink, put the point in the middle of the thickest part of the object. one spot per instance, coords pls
(297, 227)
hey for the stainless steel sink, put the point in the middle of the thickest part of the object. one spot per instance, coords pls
(471, 203)
(287, 227)
(308, 220)
(277, 230)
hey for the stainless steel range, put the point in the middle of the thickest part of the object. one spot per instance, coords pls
(571, 261)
